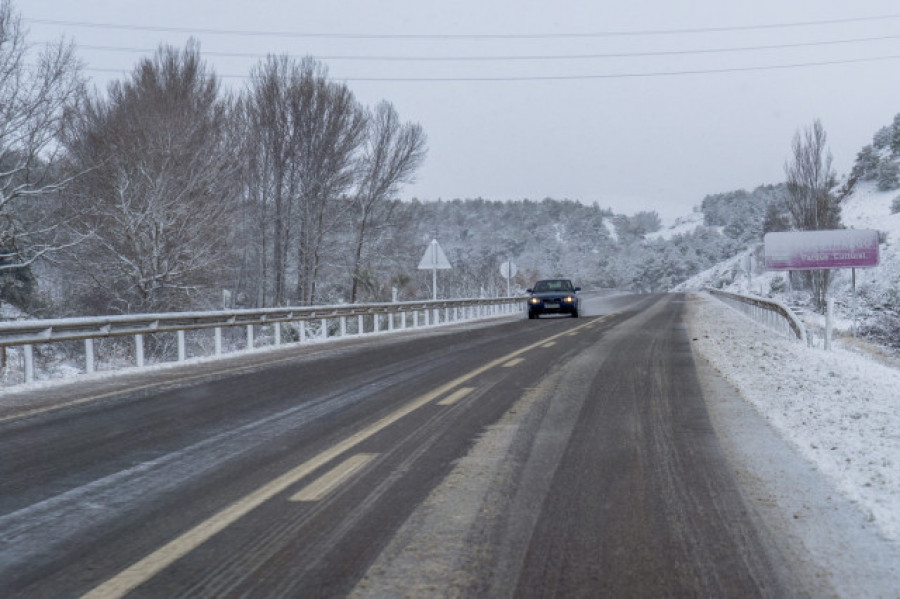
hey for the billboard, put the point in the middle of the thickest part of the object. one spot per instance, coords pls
(820, 250)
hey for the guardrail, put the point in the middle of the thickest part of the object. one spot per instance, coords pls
(305, 324)
(771, 313)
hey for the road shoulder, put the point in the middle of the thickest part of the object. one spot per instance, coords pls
(826, 540)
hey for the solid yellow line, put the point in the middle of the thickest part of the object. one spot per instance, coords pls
(332, 479)
(143, 570)
(455, 396)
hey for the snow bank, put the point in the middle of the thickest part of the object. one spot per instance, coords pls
(839, 409)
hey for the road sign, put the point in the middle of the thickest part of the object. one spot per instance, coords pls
(508, 269)
(818, 250)
(434, 258)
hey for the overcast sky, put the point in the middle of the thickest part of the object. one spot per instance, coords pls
(695, 99)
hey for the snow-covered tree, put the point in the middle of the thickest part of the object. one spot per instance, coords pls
(35, 88)
(158, 192)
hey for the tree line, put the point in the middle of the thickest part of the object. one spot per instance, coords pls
(165, 190)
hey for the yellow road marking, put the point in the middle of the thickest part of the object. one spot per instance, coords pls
(329, 481)
(455, 396)
(146, 568)
(549, 344)
(514, 362)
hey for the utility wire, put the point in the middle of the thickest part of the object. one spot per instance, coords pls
(536, 57)
(474, 36)
(645, 75)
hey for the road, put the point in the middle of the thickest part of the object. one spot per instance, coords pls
(556, 457)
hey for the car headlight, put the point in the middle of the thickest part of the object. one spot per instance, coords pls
(569, 299)
(535, 300)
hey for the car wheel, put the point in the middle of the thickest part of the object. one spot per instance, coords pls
(531, 315)
(574, 313)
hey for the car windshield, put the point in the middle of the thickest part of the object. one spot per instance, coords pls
(553, 286)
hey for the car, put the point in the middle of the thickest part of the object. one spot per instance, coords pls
(553, 296)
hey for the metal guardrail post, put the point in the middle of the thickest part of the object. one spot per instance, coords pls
(89, 356)
(139, 350)
(28, 353)
(218, 341)
(182, 353)
(277, 333)
(249, 336)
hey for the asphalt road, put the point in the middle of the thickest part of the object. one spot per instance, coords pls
(558, 457)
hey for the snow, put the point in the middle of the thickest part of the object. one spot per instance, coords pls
(840, 410)
(680, 226)
(611, 228)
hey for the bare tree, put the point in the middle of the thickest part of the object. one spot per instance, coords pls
(811, 181)
(813, 196)
(330, 129)
(393, 152)
(159, 195)
(303, 134)
(269, 156)
(35, 89)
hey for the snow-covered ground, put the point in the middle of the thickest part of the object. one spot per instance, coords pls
(681, 226)
(839, 409)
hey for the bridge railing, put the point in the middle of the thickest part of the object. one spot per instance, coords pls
(302, 324)
(770, 313)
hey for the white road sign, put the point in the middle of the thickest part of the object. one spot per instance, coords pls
(434, 258)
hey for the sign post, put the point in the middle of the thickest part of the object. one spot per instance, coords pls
(434, 259)
(508, 269)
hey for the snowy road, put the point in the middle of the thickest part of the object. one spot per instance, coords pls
(527, 458)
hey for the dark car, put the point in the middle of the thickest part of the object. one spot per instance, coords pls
(553, 296)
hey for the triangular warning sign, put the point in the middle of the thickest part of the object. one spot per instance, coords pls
(434, 258)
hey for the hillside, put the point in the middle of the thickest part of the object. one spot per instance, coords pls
(878, 289)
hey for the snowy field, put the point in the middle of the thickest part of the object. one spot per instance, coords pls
(839, 409)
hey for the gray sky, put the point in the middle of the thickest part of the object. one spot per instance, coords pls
(613, 130)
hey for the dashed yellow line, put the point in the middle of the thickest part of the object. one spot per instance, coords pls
(146, 568)
(328, 482)
(455, 396)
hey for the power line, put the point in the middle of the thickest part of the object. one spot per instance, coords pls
(644, 75)
(439, 36)
(538, 57)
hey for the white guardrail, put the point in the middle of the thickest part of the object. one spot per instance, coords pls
(299, 324)
(770, 313)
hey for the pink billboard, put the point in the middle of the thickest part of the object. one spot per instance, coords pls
(818, 250)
